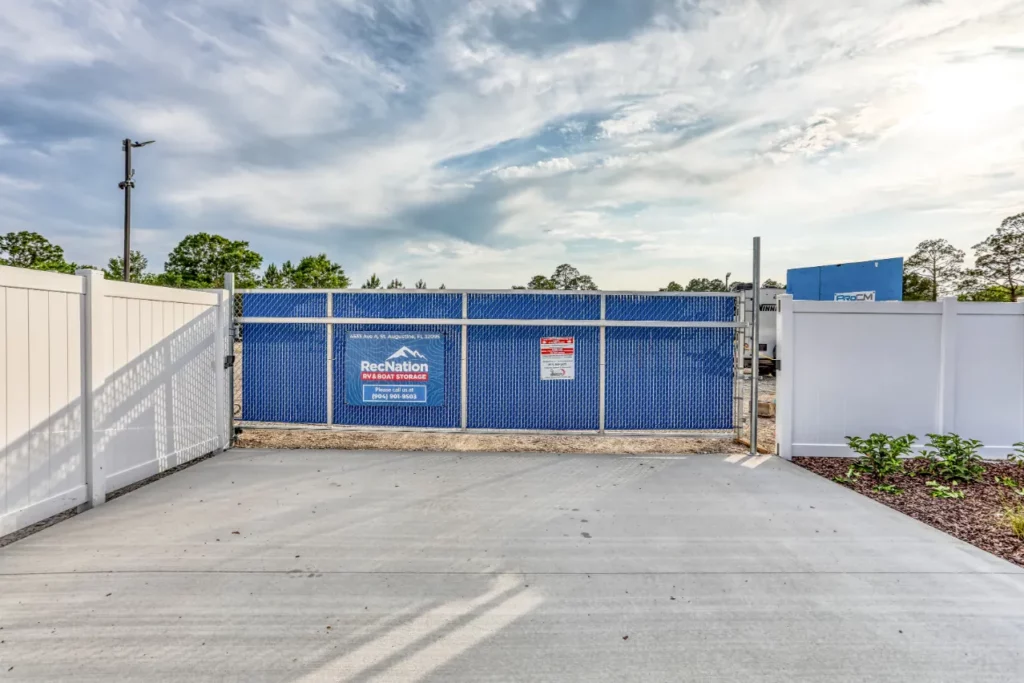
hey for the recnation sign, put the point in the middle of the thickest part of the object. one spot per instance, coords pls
(394, 368)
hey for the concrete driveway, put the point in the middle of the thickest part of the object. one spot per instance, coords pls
(336, 566)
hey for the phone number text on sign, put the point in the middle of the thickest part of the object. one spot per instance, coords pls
(557, 358)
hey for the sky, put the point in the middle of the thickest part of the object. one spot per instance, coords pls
(480, 142)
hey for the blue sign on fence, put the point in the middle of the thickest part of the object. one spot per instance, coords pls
(394, 368)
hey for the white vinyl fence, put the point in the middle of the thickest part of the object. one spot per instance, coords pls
(102, 384)
(853, 368)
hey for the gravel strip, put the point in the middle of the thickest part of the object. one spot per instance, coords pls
(977, 518)
(480, 443)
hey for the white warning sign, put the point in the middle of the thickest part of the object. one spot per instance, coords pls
(558, 357)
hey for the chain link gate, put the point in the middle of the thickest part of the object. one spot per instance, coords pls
(662, 363)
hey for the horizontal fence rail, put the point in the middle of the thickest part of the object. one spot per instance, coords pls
(489, 321)
(641, 362)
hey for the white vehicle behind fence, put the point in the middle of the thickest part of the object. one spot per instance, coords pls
(767, 357)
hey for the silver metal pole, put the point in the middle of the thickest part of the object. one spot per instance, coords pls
(737, 369)
(755, 348)
(330, 361)
(601, 385)
(464, 379)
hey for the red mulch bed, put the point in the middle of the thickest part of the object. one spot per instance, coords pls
(977, 518)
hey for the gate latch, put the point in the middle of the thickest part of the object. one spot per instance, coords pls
(229, 361)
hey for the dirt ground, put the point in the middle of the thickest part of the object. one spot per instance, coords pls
(479, 443)
(494, 443)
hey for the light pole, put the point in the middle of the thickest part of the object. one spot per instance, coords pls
(727, 276)
(127, 184)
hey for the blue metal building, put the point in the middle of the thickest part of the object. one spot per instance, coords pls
(880, 280)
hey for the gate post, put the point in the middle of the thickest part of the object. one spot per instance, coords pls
(463, 379)
(229, 285)
(330, 360)
(755, 345)
(94, 374)
(601, 360)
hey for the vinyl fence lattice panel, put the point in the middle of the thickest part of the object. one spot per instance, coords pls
(397, 305)
(505, 388)
(535, 306)
(443, 416)
(670, 308)
(669, 379)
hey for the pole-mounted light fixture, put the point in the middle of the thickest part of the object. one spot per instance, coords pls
(127, 184)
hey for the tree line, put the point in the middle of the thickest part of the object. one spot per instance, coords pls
(936, 268)
(198, 262)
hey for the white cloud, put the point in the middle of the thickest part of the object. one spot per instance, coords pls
(629, 123)
(802, 120)
(176, 126)
(13, 183)
(547, 167)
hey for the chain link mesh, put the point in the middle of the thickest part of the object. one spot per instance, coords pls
(656, 379)
(670, 308)
(513, 306)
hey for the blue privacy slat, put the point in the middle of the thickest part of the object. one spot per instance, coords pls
(284, 305)
(393, 305)
(284, 373)
(535, 306)
(663, 378)
(674, 308)
(657, 378)
(505, 388)
(446, 415)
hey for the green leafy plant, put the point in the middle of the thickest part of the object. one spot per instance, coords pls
(850, 476)
(937, 490)
(880, 453)
(1011, 483)
(953, 458)
(888, 488)
(1013, 515)
(1017, 457)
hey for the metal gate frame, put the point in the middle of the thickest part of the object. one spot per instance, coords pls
(738, 324)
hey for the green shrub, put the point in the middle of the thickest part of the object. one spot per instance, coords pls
(937, 490)
(1017, 457)
(888, 488)
(953, 458)
(880, 453)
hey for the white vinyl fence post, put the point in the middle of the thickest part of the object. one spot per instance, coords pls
(601, 369)
(94, 373)
(330, 361)
(945, 419)
(219, 367)
(785, 360)
(464, 359)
